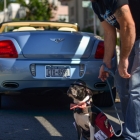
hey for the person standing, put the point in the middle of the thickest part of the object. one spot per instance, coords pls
(123, 15)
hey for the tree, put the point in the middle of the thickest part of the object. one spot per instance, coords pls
(90, 30)
(2, 4)
(35, 10)
(39, 10)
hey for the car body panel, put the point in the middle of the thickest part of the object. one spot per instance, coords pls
(15, 71)
(38, 50)
(41, 45)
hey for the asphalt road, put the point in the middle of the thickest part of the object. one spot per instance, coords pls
(40, 118)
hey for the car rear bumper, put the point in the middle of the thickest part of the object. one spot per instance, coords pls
(16, 86)
(16, 75)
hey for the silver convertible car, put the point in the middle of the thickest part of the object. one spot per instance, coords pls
(45, 56)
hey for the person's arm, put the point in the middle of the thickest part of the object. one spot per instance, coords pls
(127, 34)
(110, 44)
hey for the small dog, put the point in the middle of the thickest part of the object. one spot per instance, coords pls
(85, 113)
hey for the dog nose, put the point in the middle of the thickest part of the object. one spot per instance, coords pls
(69, 93)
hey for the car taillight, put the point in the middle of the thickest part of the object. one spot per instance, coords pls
(7, 49)
(100, 51)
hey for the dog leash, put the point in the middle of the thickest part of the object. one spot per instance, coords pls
(113, 75)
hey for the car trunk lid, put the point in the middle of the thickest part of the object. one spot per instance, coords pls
(54, 45)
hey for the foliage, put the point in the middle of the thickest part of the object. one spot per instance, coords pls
(38, 10)
(118, 41)
(2, 4)
(90, 30)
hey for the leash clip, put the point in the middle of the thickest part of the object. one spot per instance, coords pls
(107, 69)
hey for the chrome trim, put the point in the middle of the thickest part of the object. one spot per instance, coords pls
(57, 40)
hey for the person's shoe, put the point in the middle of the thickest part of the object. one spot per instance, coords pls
(121, 137)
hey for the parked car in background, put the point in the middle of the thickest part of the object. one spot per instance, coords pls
(43, 56)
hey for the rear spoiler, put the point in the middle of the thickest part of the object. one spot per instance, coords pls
(38, 23)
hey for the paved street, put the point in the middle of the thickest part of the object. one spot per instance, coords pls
(36, 117)
(39, 118)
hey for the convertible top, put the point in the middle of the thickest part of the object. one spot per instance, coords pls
(37, 24)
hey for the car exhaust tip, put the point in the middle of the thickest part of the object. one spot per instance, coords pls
(100, 85)
(10, 85)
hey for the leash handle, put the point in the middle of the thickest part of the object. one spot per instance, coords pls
(113, 75)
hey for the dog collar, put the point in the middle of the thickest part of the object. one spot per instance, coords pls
(73, 106)
(82, 108)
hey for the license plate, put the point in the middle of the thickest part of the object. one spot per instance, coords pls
(57, 71)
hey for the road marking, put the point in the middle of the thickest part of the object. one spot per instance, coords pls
(48, 126)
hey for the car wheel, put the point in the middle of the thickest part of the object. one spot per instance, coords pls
(104, 99)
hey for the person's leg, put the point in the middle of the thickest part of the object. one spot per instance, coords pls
(129, 92)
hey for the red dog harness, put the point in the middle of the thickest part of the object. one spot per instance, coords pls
(101, 121)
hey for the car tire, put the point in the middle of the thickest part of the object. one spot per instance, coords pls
(104, 99)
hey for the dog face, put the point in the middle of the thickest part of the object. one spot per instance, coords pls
(78, 91)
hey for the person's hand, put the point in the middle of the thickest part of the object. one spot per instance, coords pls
(122, 68)
(103, 74)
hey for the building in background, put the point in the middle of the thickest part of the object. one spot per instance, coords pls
(62, 11)
(14, 10)
(1, 16)
(74, 11)
(80, 11)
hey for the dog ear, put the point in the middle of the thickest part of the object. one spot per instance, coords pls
(89, 92)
